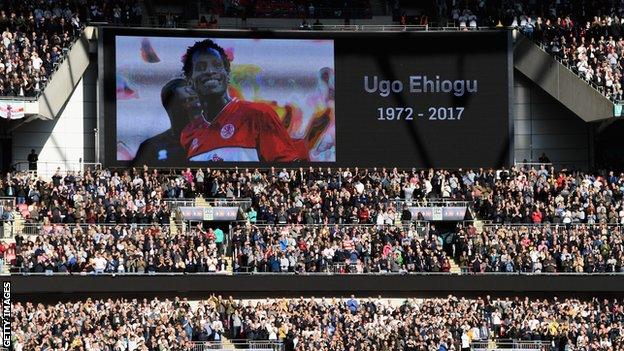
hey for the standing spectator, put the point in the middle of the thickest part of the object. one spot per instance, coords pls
(543, 158)
(33, 158)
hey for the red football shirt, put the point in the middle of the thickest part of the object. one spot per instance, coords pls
(242, 131)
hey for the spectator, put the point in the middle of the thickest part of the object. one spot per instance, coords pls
(544, 159)
(119, 249)
(33, 158)
(321, 324)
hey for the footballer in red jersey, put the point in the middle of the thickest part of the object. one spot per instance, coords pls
(230, 129)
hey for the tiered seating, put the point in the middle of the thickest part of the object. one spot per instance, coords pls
(323, 220)
(319, 324)
(36, 35)
(585, 36)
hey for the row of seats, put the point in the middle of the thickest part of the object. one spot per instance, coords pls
(586, 36)
(319, 324)
(318, 249)
(321, 196)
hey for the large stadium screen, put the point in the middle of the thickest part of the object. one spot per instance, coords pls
(190, 98)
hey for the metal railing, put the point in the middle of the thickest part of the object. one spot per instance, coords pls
(159, 20)
(243, 203)
(174, 204)
(559, 227)
(412, 224)
(238, 344)
(532, 164)
(46, 169)
(25, 272)
(31, 229)
(436, 202)
(544, 47)
(509, 345)
(42, 84)
(330, 27)
(339, 268)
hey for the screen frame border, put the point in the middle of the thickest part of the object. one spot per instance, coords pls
(107, 107)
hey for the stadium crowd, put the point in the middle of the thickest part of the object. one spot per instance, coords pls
(338, 249)
(359, 220)
(321, 196)
(120, 249)
(585, 35)
(550, 249)
(37, 34)
(322, 324)
(313, 249)
(591, 47)
(293, 9)
(95, 196)
(34, 37)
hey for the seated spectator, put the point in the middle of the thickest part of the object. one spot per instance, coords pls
(120, 249)
(337, 249)
(541, 249)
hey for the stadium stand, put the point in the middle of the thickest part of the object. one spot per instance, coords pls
(337, 249)
(38, 34)
(537, 249)
(318, 196)
(323, 324)
(215, 225)
(35, 38)
(296, 9)
(121, 249)
(350, 231)
(586, 38)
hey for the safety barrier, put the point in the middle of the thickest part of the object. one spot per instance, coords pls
(237, 344)
(47, 169)
(243, 203)
(508, 345)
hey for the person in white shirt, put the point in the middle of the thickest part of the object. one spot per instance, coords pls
(465, 342)
(37, 62)
(476, 333)
(99, 264)
(284, 263)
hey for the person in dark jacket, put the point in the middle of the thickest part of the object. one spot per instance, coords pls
(166, 145)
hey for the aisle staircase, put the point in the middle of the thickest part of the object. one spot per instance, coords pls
(478, 225)
(10, 229)
(226, 344)
(201, 202)
(455, 269)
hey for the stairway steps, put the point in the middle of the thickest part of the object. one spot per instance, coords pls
(455, 268)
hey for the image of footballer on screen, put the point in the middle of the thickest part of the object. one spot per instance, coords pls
(219, 111)
(230, 129)
(182, 107)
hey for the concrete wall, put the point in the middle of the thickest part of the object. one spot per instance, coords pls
(63, 141)
(295, 285)
(542, 124)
